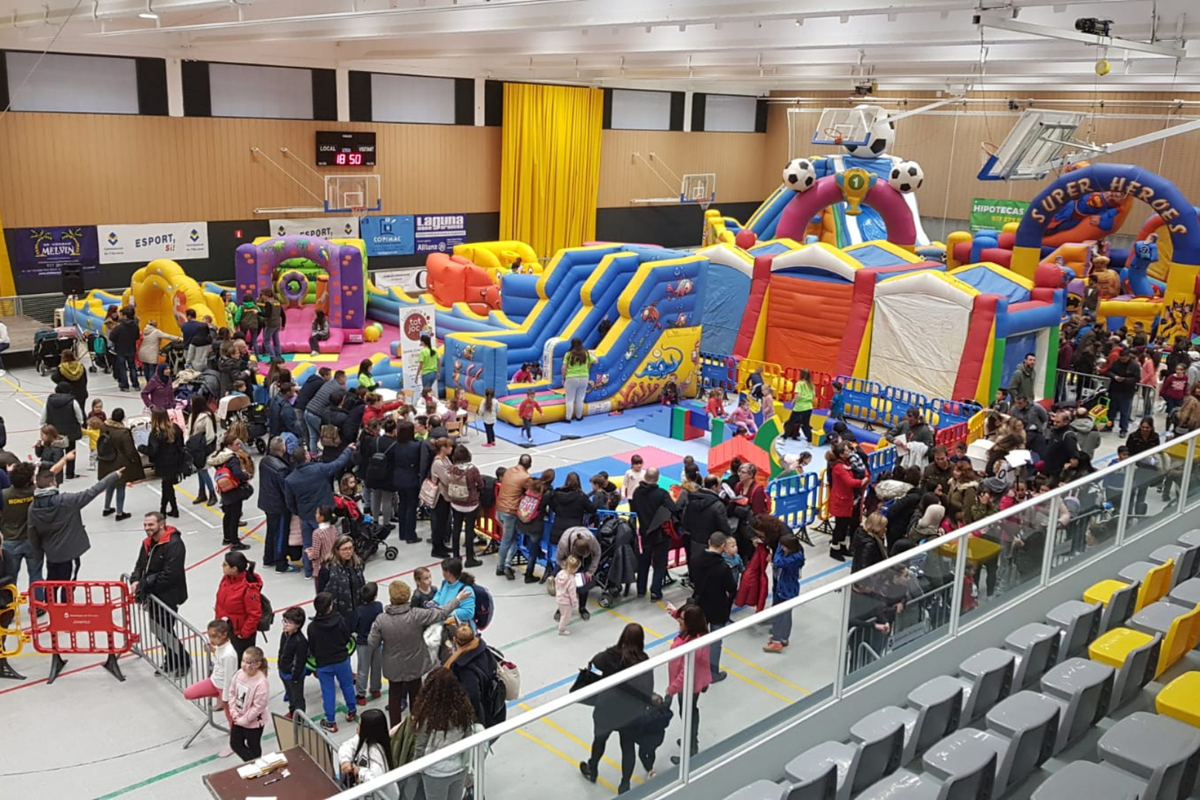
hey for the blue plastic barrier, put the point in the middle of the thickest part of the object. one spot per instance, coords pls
(897, 402)
(861, 398)
(881, 461)
(951, 412)
(718, 371)
(795, 499)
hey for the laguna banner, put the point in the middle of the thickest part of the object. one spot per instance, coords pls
(140, 244)
(42, 252)
(321, 227)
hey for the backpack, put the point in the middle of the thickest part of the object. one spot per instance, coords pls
(530, 507)
(487, 497)
(485, 608)
(268, 614)
(457, 490)
(492, 698)
(105, 449)
(331, 436)
(377, 471)
(225, 480)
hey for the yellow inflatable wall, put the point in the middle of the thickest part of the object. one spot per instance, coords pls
(162, 291)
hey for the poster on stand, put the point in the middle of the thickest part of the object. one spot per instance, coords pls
(414, 321)
(993, 215)
(412, 280)
(141, 244)
(388, 236)
(42, 252)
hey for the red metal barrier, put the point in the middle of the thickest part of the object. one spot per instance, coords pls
(82, 617)
(952, 435)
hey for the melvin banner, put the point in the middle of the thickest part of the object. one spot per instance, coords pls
(141, 244)
(993, 215)
(440, 233)
(42, 252)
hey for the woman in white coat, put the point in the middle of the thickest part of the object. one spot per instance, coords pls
(367, 754)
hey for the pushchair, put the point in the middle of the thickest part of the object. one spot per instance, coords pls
(367, 534)
(48, 346)
(237, 407)
(615, 535)
(175, 356)
(97, 347)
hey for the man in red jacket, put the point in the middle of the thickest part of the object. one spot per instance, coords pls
(160, 584)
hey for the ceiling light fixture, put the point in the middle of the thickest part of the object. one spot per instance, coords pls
(148, 15)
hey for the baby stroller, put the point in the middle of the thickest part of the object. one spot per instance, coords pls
(97, 347)
(48, 346)
(237, 407)
(175, 354)
(617, 559)
(367, 534)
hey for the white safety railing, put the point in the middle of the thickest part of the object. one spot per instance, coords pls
(1050, 548)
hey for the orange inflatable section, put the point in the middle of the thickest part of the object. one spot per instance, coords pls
(454, 279)
(806, 320)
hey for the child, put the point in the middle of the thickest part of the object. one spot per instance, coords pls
(528, 407)
(768, 402)
(670, 393)
(293, 655)
(789, 559)
(250, 694)
(730, 554)
(322, 541)
(97, 411)
(370, 660)
(487, 413)
(451, 414)
(220, 683)
(633, 477)
(330, 643)
(50, 449)
(837, 403)
(421, 428)
(423, 595)
(566, 594)
(716, 404)
(523, 375)
(239, 387)
(535, 370)
(1174, 388)
(742, 419)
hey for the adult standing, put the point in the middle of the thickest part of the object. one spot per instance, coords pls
(622, 708)
(842, 505)
(512, 487)
(61, 411)
(703, 516)
(1124, 375)
(321, 402)
(475, 667)
(802, 408)
(1021, 383)
(1062, 448)
(119, 455)
(342, 576)
(429, 363)
(202, 443)
(307, 488)
(869, 544)
(439, 516)
(239, 600)
(404, 466)
(655, 509)
(577, 364)
(713, 589)
(160, 573)
(123, 338)
(55, 524)
(400, 629)
(1035, 419)
(234, 473)
(152, 340)
(188, 330)
(572, 508)
(444, 715)
(312, 384)
(281, 415)
(158, 391)
(465, 487)
(71, 372)
(1146, 471)
(272, 472)
(376, 475)
(273, 319)
(166, 452)
(15, 501)
(913, 428)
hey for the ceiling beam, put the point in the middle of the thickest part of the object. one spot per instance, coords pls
(1071, 35)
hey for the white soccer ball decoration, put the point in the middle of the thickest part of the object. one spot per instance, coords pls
(882, 133)
(799, 175)
(906, 177)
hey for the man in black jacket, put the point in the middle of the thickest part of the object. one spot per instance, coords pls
(713, 589)
(124, 340)
(159, 573)
(703, 515)
(272, 471)
(654, 508)
(1124, 374)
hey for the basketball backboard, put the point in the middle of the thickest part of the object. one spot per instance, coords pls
(1031, 147)
(345, 194)
(699, 188)
(839, 127)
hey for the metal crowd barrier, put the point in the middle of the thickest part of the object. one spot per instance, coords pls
(920, 617)
(183, 657)
(1083, 388)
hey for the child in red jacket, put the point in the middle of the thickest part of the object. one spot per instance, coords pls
(526, 411)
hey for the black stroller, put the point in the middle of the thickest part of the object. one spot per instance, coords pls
(48, 346)
(368, 538)
(617, 559)
(97, 347)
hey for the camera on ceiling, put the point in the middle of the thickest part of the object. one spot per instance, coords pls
(1094, 26)
(864, 88)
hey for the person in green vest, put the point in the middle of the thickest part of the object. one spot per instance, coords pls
(429, 363)
(802, 408)
(365, 381)
(577, 364)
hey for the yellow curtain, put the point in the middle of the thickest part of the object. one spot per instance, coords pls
(550, 172)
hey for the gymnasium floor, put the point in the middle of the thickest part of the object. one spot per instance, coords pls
(88, 736)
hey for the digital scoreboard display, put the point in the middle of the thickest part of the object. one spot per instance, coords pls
(345, 149)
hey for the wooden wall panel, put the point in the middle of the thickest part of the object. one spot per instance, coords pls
(736, 158)
(90, 169)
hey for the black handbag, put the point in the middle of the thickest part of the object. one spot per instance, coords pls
(584, 679)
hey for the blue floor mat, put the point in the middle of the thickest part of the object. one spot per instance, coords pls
(615, 468)
(511, 433)
(596, 424)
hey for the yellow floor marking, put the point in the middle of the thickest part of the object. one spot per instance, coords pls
(602, 781)
(585, 745)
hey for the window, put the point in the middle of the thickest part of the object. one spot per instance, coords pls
(730, 113)
(81, 84)
(240, 90)
(636, 110)
(409, 98)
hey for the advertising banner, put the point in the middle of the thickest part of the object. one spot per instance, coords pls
(414, 321)
(388, 236)
(411, 280)
(440, 233)
(42, 252)
(144, 243)
(995, 214)
(321, 227)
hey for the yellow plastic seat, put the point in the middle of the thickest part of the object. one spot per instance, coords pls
(1114, 647)
(979, 550)
(1154, 587)
(1181, 699)
(1181, 638)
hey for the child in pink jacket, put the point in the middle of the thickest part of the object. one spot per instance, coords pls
(248, 705)
(692, 625)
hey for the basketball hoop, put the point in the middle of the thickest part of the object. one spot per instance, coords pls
(358, 211)
(834, 134)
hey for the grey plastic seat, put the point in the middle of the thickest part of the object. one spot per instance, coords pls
(986, 678)
(1079, 623)
(1083, 690)
(1184, 558)
(1187, 593)
(1036, 648)
(1159, 750)
(1092, 781)
(1023, 728)
(858, 765)
(1158, 617)
(819, 787)
(760, 790)
(934, 710)
(1190, 538)
(1120, 606)
(957, 768)
(1137, 571)
(1138, 670)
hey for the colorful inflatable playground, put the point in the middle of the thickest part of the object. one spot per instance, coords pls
(832, 273)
